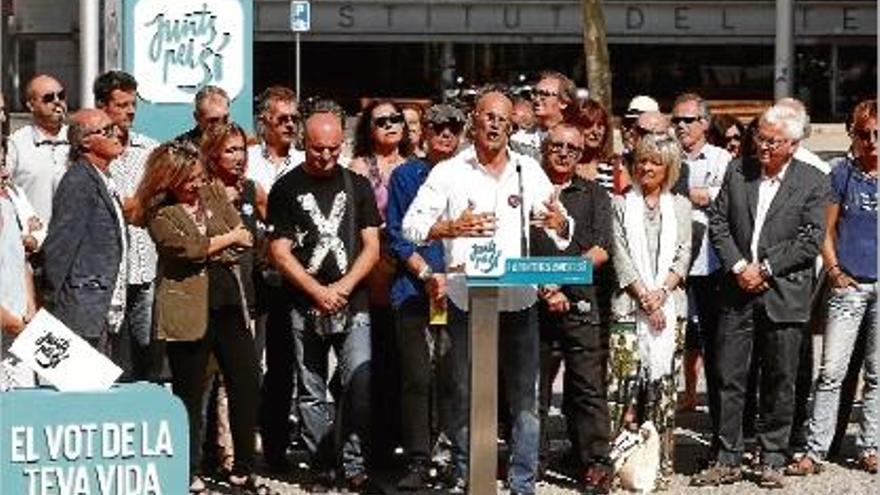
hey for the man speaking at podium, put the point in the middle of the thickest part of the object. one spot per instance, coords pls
(479, 202)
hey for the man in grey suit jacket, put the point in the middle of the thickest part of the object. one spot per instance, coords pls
(767, 226)
(85, 246)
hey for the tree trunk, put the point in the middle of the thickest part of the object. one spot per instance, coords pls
(596, 53)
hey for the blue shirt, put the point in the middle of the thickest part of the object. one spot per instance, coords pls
(856, 193)
(402, 188)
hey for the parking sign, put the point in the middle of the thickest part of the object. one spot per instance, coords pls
(300, 16)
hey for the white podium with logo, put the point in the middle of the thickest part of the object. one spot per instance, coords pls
(483, 291)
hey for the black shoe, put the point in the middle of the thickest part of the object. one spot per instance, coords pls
(418, 477)
(597, 479)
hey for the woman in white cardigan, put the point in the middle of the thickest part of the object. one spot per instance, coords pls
(652, 252)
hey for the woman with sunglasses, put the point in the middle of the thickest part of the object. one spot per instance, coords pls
(198, 307)
(652, 252)
(418, 287)
(850, 257)
(727, 132)
(381, 144)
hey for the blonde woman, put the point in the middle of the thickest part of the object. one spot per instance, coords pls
(652, 251)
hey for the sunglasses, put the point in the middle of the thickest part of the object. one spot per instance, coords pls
(565, 149)
(222, 119)
(50, 97)
(454, 127)
(108, 131)
(543, 93)
(286, 119)
(730, 139)
(685, 120)
(387, 121)
(866, 134)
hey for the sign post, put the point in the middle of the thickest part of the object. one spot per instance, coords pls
(300, 22)
(483, 328)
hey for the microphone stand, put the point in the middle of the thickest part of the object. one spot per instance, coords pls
(523, 227)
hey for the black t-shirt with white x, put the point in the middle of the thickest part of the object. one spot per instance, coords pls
(324, 217)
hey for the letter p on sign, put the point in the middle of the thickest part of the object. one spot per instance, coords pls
(300, 16)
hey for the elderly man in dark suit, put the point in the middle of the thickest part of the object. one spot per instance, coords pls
(767, 226)
(85, 246)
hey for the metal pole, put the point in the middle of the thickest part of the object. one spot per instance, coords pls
(89, 34)
(298, 97)
(833, 84)
(783, 81)
(483, 429)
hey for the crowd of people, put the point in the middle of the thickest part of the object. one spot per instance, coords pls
(232, 265)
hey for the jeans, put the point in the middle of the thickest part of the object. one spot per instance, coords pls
(518, 357)
(330, 434)
(851, 312)
(138, 325)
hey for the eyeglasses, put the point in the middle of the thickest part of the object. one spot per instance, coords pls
(50, 97)
(286, 119)
(108, 131)
(565, 149)
(866, 135)
(220, 119)
(770, 143)
(454, 127)
(387, 121)
(688, 119)
(543, 93)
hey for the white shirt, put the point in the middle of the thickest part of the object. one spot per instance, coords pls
(707, 170)
(456, 183)
(116, 312)
(528, 142)
(36, 163)
(127, 170)
(766, 192)
(264, 171)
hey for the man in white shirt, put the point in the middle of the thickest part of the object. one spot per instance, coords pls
(553, 97)
(478, 203)
(767, 225)
(37, 153)
(706, 165)
(277, 126)
(116, 94)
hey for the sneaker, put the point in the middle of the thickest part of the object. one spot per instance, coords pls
(417, 477)
(597, 479)
(868, 461)
(717, 475)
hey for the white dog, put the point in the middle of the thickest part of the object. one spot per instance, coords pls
(636, 458)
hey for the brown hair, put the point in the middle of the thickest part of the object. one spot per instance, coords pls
(588, 113)
(214, 142)
(168, 166)
(862, 113)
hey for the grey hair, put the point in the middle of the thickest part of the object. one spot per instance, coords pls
(701, 103)
(208, 92)
(800, 110)
(76, 134)
(786, 117)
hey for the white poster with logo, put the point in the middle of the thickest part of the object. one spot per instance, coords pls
(62, 357)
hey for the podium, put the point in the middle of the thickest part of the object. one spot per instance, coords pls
(483, 330)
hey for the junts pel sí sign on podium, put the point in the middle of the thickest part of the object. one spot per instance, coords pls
(487, 272)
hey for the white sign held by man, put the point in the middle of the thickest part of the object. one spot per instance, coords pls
(62, 357)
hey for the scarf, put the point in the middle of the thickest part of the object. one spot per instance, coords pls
(656, 349)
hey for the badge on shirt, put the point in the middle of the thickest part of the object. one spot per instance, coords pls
(514, 200)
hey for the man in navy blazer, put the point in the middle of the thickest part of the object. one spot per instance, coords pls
(85, 246)
(767, 226)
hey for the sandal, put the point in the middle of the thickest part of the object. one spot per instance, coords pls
(868, 462)
(804, 466)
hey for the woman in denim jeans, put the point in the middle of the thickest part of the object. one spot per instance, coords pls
(850, 253)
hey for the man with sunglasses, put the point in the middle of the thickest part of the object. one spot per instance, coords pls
(420, 284)
(116, 94)
(573, 318)
(553, 97)
(211, 107)
(85, 249)
(703, 166)
(37, 153)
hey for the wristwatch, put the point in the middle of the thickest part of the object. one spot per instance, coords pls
(425, 273)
